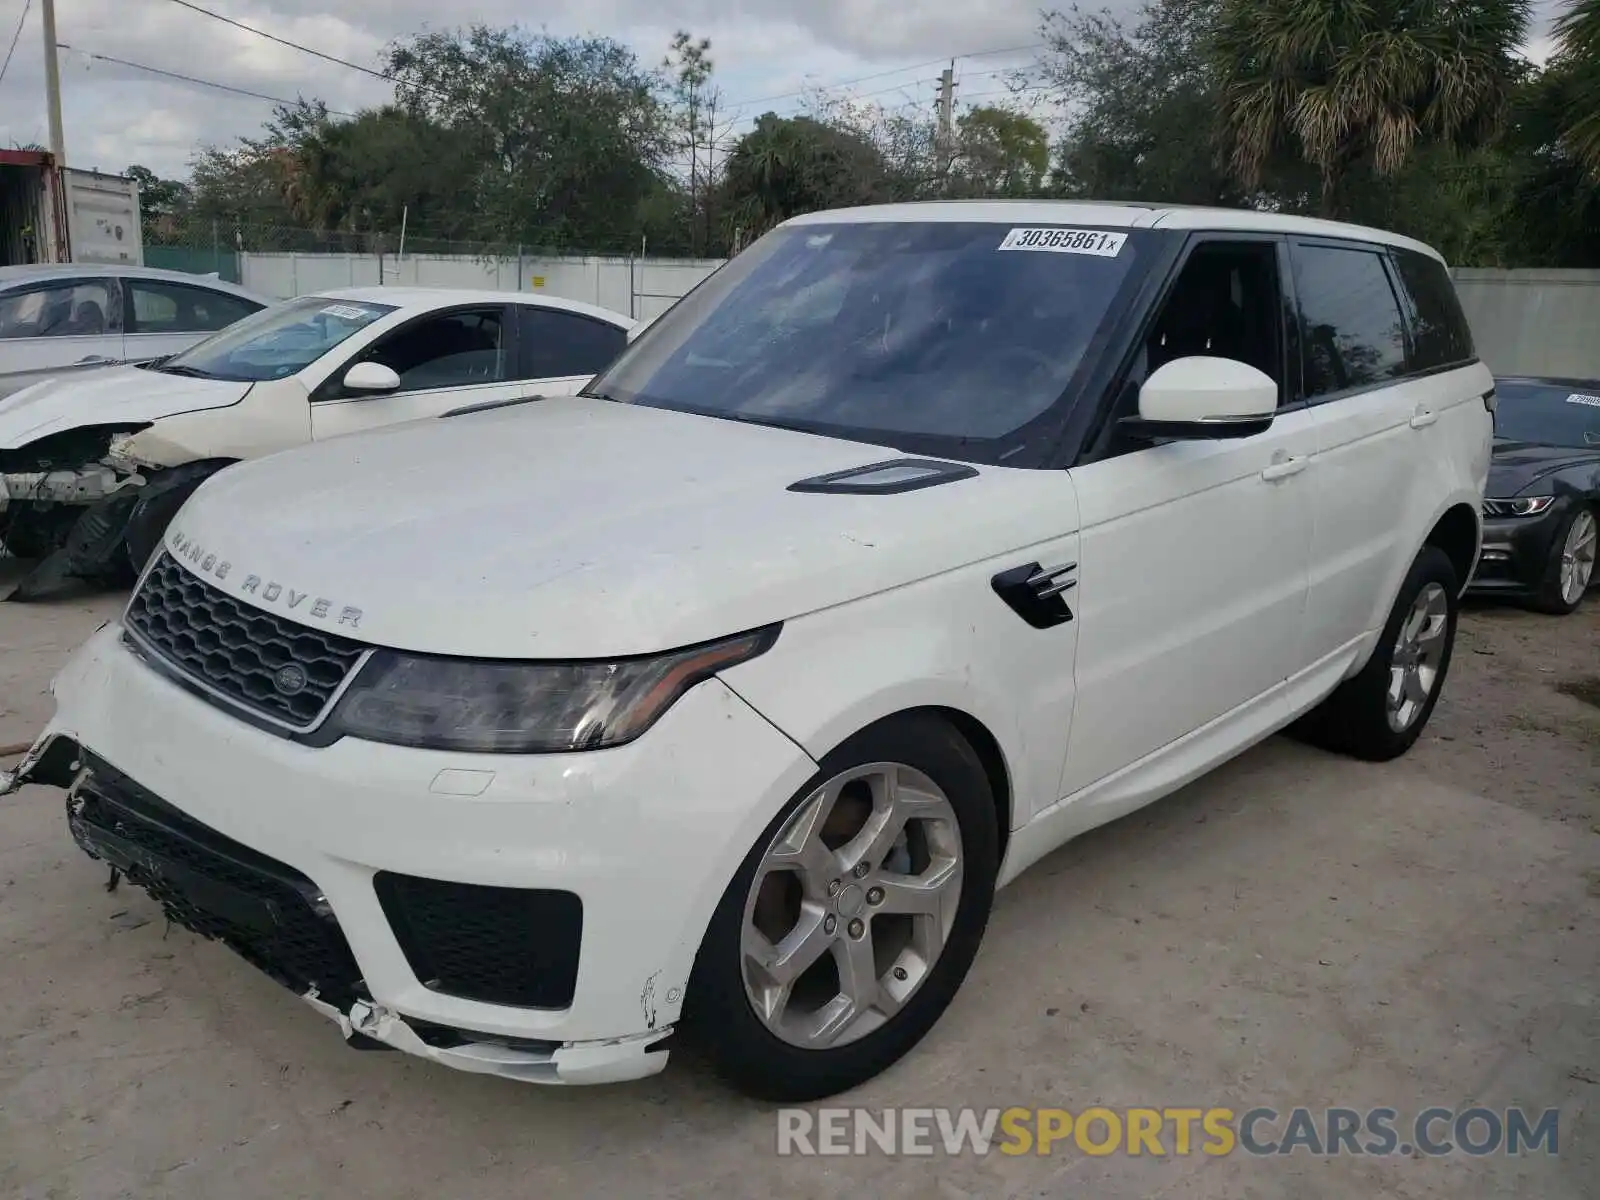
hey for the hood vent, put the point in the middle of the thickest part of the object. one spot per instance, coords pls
(887, 478)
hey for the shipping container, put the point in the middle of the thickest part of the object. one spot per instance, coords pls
(53, 215)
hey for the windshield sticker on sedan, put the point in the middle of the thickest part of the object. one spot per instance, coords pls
(1066, 241)
(347, 312)
(1581, 398)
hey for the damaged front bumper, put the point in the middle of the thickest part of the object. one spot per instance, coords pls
(286, 854)
(235, 896)
(615, 1061)
(85, 485)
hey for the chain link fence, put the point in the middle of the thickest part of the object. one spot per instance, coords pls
(279, 261)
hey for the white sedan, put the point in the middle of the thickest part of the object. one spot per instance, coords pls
(92, 468)
(71, 316)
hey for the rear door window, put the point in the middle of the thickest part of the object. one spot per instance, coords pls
(1352, 332)
(163, 307)
(557, 344)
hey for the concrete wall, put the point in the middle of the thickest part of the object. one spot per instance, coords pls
(1534, 322)
(640, 287)
(1526, 322)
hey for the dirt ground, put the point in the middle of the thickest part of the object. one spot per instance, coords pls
(1297, 929)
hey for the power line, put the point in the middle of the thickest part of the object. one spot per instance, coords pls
(892, 71)
(315, 53)
(209, 83)
(272, 37)
(26, 5)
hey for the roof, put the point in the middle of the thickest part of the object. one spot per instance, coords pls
(33, 272)
(1116, 214)
(1554, 381)
(423, 298)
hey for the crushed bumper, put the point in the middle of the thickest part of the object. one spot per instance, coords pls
(87, 485)
(645, 835)
(614, 1061)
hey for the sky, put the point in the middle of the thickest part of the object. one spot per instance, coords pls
(765, 52)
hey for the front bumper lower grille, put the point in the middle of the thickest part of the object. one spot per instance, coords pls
(268, 913)
(249, 657)
(498, 945)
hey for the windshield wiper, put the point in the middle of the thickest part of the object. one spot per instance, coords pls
(181, 369)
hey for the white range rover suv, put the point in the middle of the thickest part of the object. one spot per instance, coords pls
(716, 702)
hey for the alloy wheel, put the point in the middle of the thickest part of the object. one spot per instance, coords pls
(851, 905)
(1418, 651)
(1577, 557)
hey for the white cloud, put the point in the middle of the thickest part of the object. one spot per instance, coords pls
(115, 115)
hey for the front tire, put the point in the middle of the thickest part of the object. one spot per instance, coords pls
(1378, 714)
(1570, 571)
(852, 922)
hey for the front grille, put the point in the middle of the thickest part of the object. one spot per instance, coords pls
(238, 651)
(263, 910)
(500, 945)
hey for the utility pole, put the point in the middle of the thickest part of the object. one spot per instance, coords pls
(52, 82)
(947, 106)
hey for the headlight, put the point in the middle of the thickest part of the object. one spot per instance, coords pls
(1521, 506)
(526, 707)
(117, 452)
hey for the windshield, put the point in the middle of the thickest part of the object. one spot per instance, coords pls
(276, 342)
(1550, 414)
(934, 337)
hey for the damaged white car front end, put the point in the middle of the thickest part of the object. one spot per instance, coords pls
(85, 461)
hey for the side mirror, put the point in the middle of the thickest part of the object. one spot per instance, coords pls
(1202, 397)
(371, 377)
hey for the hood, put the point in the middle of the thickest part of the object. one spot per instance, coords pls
(1517, 466)
(107, 396)
(581, 528)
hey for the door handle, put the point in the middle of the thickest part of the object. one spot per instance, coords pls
(1423, 417)
(1284, 467)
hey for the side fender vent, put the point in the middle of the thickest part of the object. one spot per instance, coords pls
(887, 478)
(1037, 594)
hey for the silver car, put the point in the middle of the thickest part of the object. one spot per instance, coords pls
(74, 315)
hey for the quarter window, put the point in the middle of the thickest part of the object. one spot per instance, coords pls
(1353, 335)
(161, 307)
(1440, 335)
(557, 344)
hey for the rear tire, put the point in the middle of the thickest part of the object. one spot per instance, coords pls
(1378, 714)
(796, 900)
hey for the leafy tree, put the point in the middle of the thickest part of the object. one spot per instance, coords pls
(1552, 215)
(1139, 100)
(159, 197)
(163, 204)
(906, 141)
(999, 153)
(565, 139)
(1578, 36)
(1347, 85)
(791, 165)
(689, 67)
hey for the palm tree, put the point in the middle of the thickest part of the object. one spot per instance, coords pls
(1578, 41)
(1345, 84)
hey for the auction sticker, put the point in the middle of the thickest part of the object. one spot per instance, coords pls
(1055, 240)
(347, 312)
(1582, 398)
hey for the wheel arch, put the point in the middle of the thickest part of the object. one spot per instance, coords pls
(1459, 533)
(987, 747)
